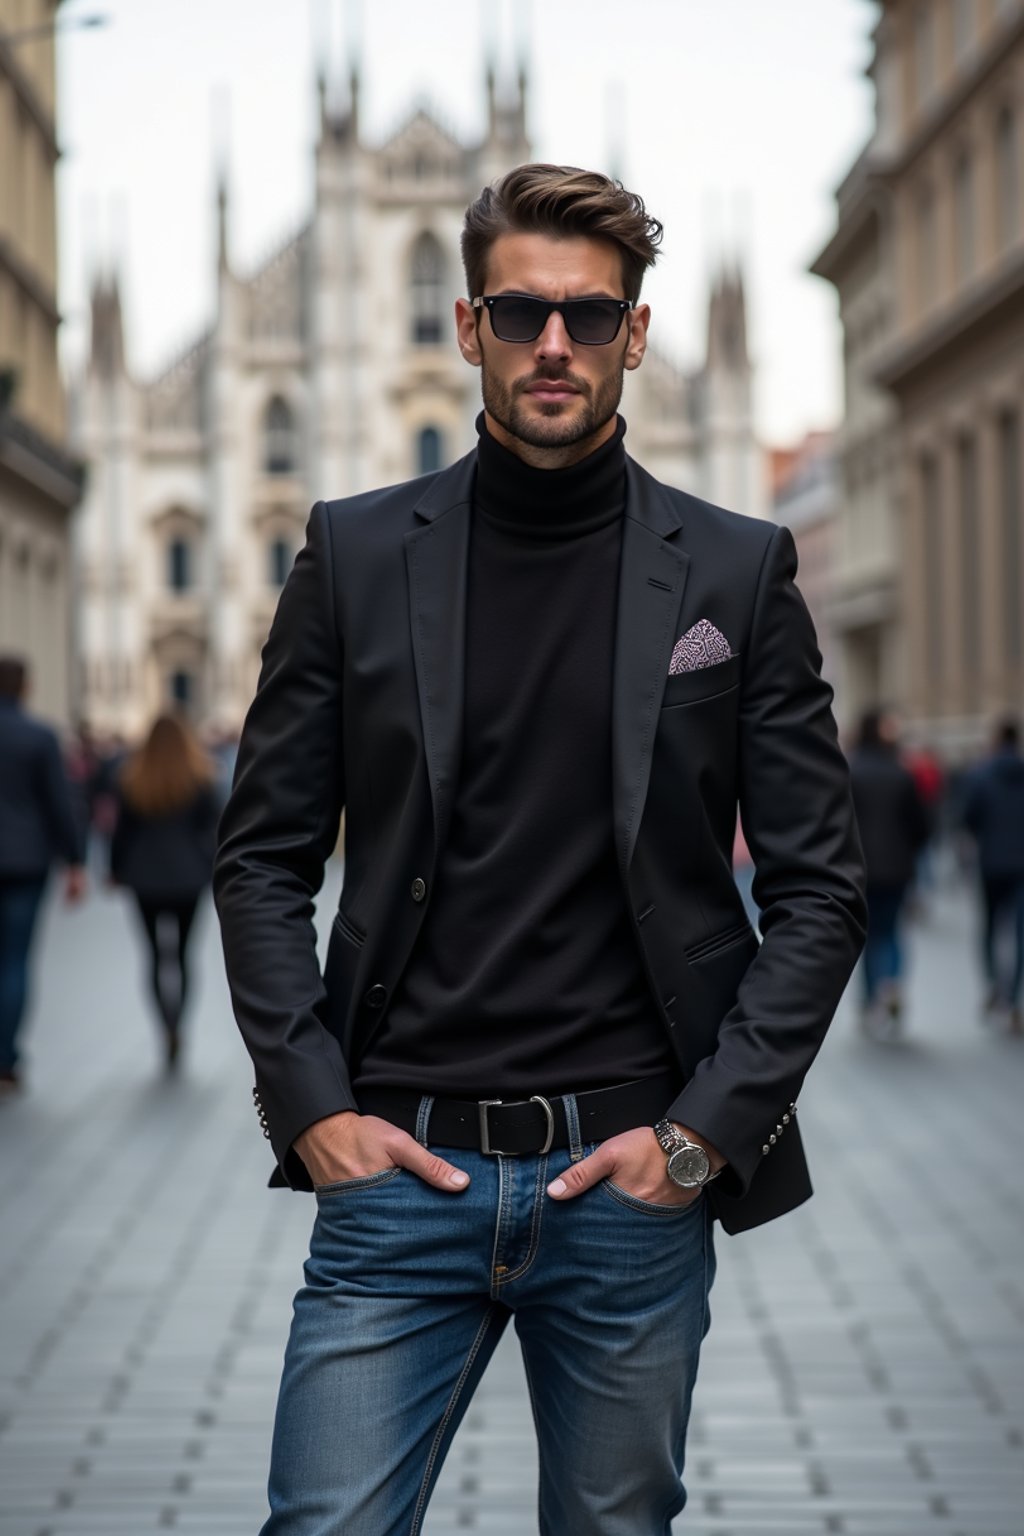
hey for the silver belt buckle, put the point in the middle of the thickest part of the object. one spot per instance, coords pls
(485, 1136)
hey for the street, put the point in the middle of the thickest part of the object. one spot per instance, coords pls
(864, 1375)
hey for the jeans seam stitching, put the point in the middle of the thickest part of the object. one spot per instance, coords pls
(534, 1244)
(367, 1181)
(474, 1350)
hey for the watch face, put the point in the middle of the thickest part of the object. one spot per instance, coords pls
(689, 1167)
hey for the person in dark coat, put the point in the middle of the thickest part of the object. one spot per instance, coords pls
(162, 851)
(994, 815)
(38, 828)
(894, 828)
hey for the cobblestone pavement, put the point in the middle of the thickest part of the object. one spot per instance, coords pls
(864, 1375)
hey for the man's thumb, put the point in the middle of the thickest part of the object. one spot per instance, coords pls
(577, 1177)
(433, 1169)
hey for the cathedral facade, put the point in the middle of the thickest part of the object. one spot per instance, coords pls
(331, 369)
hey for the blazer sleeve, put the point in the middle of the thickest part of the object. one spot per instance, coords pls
(797, 813)
(278, 829)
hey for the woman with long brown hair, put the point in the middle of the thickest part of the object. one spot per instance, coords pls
(162, 851)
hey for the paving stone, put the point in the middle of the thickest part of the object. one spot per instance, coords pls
(864, 1373)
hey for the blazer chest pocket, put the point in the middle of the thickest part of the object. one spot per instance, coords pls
(702, 683)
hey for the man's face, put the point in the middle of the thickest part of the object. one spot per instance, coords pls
(553, 397)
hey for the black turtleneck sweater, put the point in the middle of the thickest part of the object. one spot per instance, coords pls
(526, 977)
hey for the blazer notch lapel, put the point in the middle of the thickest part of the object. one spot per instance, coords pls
(651, 584)
(437, 558)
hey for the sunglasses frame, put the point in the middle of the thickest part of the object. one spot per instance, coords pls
(488, 300)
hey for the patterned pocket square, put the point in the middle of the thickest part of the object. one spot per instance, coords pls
(702, 646)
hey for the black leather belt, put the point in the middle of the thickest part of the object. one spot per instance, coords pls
(524, 1125)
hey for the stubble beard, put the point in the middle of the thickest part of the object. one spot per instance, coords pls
(559, 425)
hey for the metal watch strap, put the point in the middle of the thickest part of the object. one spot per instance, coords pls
(671, 1139)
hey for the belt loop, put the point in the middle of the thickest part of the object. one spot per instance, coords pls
(572, 1125)
(423, 1118)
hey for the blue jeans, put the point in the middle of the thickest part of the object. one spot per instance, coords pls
(883, 954)
(408, 1291)
(19, 907)
(1004, 909)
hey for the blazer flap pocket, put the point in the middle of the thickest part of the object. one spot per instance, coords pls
(701, 683)
(344, 925)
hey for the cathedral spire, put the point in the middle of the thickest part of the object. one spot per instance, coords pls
(106, 342)
(353, 52)
(727, 321)
(221, 140)
(223, 261)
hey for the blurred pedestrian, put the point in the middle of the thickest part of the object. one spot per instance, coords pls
(994, 815)
(893, 828)
(162, 851)
(930, 780)
(38, 827)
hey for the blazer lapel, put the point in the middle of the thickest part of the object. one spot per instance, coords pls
(652, 579)
(437, 559)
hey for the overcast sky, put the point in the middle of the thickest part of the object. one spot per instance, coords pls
(735, 120)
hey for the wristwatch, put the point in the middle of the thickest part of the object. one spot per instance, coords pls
(688, 1164)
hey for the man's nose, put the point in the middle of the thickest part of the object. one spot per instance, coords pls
(554, 340)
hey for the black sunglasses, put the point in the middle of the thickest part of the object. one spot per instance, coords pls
(518, 317)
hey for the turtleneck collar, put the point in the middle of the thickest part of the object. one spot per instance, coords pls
(514, 497)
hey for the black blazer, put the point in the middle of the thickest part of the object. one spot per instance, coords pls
(37, 820)
(360, 705)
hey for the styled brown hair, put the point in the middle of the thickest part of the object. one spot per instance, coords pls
(560, 200)
(167, 771)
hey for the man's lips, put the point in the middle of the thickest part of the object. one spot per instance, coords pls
(549, 389)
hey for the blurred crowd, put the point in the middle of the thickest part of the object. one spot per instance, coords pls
(143, 816)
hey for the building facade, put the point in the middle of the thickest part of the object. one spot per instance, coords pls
(331, 369)
(805, 498)
(931, 228)
(40, 480)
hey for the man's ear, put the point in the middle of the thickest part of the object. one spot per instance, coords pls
(639, 319)
(467, 330)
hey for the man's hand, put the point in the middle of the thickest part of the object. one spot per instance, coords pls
(352, 1146)
(635, 1162)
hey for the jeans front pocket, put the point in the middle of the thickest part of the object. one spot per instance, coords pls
(649, 1207)
(365, 1181)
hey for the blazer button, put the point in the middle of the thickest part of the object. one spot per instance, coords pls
(419, 889)
(376, 997)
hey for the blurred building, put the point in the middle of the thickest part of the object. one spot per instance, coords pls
(805, 497)
(928, 260)
(330, 369)
(40, 480)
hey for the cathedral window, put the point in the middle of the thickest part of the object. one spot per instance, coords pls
(428, 291)
(179, 565)
(429, 445)
(280, 561)
(279, 439)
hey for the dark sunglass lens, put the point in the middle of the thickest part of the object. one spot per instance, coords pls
(516, 319)
(593, 322)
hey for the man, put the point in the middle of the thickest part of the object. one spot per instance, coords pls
(37, 827)
(540, 683)
(893, 825)
(994, 814)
